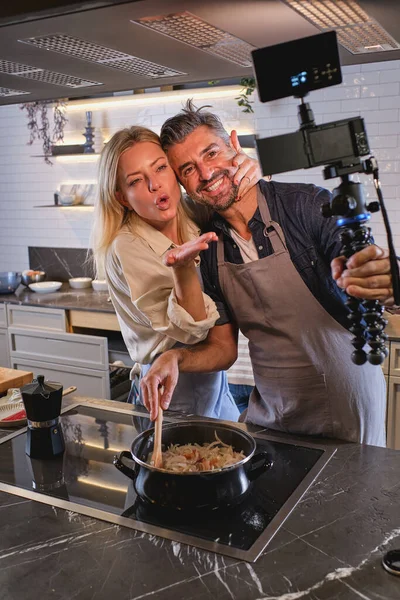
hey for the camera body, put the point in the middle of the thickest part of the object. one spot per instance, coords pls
(340, 142)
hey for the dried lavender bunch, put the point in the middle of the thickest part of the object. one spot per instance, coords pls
(39, 125)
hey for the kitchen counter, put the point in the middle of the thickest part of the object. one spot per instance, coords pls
(329, 548)
(66, 298)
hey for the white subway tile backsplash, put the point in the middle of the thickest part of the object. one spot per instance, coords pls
(342, 92)
(389, 128)
(381, 116)
(387, 65)
(381, 89)
(358, 78)
(351, 69)
(389, 102)
(371, 91)
(387, 76)
(360, 104)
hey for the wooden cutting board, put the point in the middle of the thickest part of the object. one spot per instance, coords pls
(13, 378)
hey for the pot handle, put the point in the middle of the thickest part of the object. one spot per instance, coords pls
(257, 469)
(117, 462)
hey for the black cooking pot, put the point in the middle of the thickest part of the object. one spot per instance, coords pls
(209, 489)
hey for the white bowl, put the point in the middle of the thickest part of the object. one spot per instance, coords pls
(80, 282)
(68, 200)
(45, 287)
(100, 285)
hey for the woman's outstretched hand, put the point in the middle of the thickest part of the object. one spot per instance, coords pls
(183, 256)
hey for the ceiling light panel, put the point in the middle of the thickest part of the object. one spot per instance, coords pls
(37, 74)
(101, 55)
(7, 92)
(356, 30)
(189, 29)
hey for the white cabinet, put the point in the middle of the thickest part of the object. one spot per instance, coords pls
(4, 350)
(36, 317)
(392, 377)
(39, 342)
(89, 382)
(3, 316)
(4, 353)
(394, 359)
(393, 413)
(88, 351)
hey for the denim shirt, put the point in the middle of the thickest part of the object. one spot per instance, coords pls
(312, 241)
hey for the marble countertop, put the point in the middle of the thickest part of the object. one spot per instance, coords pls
(330, 547)
(67, 298)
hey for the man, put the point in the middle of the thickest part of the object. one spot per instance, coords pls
(272, 275)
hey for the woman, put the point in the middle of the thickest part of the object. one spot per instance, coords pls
(139, 218)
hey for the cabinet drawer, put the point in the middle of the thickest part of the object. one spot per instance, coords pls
(36, 317)
(73, 349)
(4, 354)
(89, 382)
(394, 359)
(3, 315)
(393, 414)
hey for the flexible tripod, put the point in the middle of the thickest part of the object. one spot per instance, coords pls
(367, 323)
(348, 204)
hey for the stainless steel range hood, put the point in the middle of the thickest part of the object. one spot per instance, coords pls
(95, 47)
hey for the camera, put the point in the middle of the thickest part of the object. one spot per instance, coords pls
(297, 68)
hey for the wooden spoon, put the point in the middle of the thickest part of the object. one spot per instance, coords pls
(69, 390)
(157, 452)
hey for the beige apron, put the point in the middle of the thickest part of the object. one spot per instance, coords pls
(305, 382)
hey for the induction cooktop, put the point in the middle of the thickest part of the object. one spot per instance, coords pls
(85, 481)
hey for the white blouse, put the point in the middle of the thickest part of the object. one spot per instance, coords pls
(142, 292)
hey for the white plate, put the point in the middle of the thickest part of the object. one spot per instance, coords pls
(7, 411)
(45, 287)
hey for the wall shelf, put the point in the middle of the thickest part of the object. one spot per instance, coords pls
(64, 206)
(75, 155)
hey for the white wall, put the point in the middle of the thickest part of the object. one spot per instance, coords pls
(26, 181)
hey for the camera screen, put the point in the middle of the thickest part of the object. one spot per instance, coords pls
(298, 67)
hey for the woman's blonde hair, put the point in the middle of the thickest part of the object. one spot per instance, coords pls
(110, 215)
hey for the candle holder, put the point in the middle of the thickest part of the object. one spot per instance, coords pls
(89, 135)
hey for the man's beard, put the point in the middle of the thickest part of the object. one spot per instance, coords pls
(220, 202)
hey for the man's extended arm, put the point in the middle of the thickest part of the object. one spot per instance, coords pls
(366, 274)
(218, 352)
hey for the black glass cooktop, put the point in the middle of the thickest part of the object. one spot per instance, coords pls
(84, 480)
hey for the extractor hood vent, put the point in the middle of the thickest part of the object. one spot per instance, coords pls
(356, 30)
(8, 92)
(101, 55)
(38, 74)
(197, 33)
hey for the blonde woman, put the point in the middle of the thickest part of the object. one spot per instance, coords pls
(141, 226)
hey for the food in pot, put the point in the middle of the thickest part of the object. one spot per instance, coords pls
(188, 458)
(32, 273)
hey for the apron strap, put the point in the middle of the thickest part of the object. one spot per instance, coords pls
(272, 229)
(220, 250)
